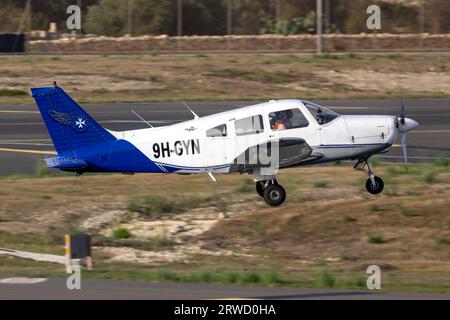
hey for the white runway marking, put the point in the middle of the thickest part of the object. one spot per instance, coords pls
(19, 111)
(20, 280)
(27, 144)
(28, 151)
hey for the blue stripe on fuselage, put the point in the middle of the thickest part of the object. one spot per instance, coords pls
(114, 156)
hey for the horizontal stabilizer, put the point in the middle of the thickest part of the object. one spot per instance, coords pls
(66, 163)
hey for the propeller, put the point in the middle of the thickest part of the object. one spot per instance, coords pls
(402, 110)
(404, 125)
(405, 153)
(403, 135)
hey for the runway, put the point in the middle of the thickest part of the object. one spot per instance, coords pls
(24, 140)
(55, 289)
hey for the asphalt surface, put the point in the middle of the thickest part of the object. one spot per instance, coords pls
(23, 135)
(115, 289)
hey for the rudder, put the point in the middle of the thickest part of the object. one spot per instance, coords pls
(69, 126)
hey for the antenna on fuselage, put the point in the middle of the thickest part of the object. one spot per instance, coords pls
(142, 119)
(195, 115)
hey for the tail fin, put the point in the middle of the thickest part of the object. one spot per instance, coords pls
(69, 126)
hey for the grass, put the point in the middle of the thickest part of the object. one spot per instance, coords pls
(443, 241)
(441, 161)
(320, 184)
(316, 239)
(246, 186)
(153, 206)
(216, 77)
(376, 239)
(429, 176)
(5, 92)
(325, 279)
(121, 233)
(350, 219)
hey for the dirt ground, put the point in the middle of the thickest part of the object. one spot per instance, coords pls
(152, 77)
(328, 222)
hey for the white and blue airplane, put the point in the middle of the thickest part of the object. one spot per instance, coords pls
(244, 140)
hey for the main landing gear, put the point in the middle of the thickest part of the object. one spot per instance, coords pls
(374, 184)
(271, 191)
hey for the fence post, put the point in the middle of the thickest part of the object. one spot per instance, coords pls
(68, 254)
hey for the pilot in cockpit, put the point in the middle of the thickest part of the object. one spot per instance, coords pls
(282, 120)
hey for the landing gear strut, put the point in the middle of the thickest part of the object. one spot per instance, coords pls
(271, 191)
(374, 184)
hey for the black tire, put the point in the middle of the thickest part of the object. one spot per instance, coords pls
(377, 188)
(274, 195)
(260, 188)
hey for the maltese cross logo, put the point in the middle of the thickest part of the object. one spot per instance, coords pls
(80, 123)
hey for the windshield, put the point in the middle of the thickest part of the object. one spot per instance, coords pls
(321, 114)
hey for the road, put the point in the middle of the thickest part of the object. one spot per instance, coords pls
(115, 289)
(24, 139)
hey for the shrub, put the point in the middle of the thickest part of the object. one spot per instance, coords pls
(325, 279)
(443, 241)
(41, 170)
(251, 277)
(121, 233)
(376, 238)
(320, 184)
(429, 176)
(245, 186)
(442, 161)
(350, 219)
(152, 206)
(5, 92)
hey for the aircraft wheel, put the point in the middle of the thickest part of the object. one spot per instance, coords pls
(377, 188)
(260, 188)
(274, 195)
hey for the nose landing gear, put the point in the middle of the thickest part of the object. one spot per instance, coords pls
(271, 191)
(374, 184)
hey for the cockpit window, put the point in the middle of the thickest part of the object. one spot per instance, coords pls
(321, 114)
(287, 119)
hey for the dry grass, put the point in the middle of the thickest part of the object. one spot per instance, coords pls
(331, 229)
(131, 78)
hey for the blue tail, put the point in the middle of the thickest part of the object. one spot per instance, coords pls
(69, 126)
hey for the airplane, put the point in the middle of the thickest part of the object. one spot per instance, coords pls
(258, 140)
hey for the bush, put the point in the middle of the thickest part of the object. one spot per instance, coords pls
(153, 206)
(429, 176)
(41, 170)
(376, 238)
(325, 279)
(320, 184)
(443, 241)
(121, 233)
(251, 277)
(442, 161)
(245, 186)
(5, 92)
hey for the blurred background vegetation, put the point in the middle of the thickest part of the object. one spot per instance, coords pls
(209, 17)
